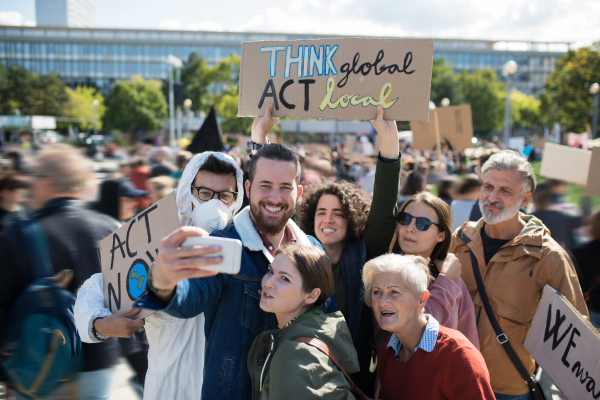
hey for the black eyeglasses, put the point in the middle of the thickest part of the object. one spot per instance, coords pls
(206, 194)
(422, 223)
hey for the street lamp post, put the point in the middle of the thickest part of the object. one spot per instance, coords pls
(95, 103)
(595, 91)
(510, 68)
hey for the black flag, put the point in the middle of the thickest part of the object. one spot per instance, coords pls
(209, 137)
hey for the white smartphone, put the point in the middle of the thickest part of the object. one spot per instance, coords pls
(231, 251)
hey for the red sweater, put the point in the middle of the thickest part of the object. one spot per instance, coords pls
(453, 370)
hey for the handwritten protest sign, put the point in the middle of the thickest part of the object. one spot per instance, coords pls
(343, 78)
(566, 347)
(127, 253)
(455, 128)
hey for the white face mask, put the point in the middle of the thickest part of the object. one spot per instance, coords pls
(211, 215)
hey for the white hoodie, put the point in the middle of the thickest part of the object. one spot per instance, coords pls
(176, 353)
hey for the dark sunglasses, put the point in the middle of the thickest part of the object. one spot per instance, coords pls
(422, 223)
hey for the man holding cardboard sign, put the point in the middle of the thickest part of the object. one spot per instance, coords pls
(507, 259)
(206, 198)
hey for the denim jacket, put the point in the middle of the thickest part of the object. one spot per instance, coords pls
(232, 312)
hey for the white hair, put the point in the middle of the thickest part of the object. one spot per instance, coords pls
(414, 270)
(509, 160)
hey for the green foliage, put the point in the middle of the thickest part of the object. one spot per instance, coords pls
(443, 83)
(567, 99)
(135, 104)
(525, 110)
(216, 86)
(486, 95)
(80, 106)
(30, 93)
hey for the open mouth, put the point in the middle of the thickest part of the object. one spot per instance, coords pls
(266, 296)
(273, 209)
(328, 231)
(387, 313)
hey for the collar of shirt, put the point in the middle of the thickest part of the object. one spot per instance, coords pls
(267, 243)
(427, 341)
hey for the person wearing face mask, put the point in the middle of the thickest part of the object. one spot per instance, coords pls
(206, 198)
(297, 281)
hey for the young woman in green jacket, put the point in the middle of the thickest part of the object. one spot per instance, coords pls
(298, 280)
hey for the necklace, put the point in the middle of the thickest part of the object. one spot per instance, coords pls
(291, 321)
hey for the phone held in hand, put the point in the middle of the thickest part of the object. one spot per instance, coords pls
(231, 252)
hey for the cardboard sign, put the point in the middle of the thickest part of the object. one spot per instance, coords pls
(593, 183)
(455, 127)
(343, 78)
(566, 163)
(127, 253)
(566, 346)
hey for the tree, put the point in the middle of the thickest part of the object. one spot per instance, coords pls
(195, 76)
(134, 104)
(486, 94)
(567, 99)
(80, 106)
(525, 110)
(54, 97)
(443, 83)
(30, 93)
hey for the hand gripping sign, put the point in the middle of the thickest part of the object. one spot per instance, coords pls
(127, 253)
(343, 78)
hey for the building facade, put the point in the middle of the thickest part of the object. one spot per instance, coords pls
(103, 56)
(66, 13)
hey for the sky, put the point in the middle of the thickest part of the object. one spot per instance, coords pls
(576, 21)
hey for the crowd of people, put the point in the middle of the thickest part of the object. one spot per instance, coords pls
(361, 276)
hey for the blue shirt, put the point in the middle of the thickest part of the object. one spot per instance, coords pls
(427, 341)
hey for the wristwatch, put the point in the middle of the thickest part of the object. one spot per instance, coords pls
(151, 287)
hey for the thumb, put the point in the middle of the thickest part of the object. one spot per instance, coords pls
(268, 111)
(380, 113)
(131, 312)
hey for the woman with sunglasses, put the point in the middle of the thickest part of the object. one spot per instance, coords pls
(423, 229)
(352, 229)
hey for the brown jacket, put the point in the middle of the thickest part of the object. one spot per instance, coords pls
(514, 281)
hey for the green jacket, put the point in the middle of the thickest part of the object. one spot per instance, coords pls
(297, 371)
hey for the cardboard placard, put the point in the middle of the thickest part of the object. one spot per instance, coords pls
(566, 163)
(455, 125)
(593, 184)
(342, 78)
(127, 254)
(566, 346)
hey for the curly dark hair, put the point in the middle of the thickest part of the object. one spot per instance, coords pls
(355, 205)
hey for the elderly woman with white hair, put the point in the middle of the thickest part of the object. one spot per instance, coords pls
(422, 359)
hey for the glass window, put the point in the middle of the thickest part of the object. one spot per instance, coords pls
(147, 51)
(77, 49)
(51, 66)
(114, 68)
(2, 47)
(19, 47)
(28, 65)
(26, 48)
(124, 50)
(124, 69)
(113, 50)
(88, 49)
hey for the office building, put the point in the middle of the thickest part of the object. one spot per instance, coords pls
(103, 56)
(66, 13)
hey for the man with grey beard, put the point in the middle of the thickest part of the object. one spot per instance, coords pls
(515, 257)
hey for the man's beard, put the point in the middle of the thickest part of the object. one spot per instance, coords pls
(504, 216)
(270, 225)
